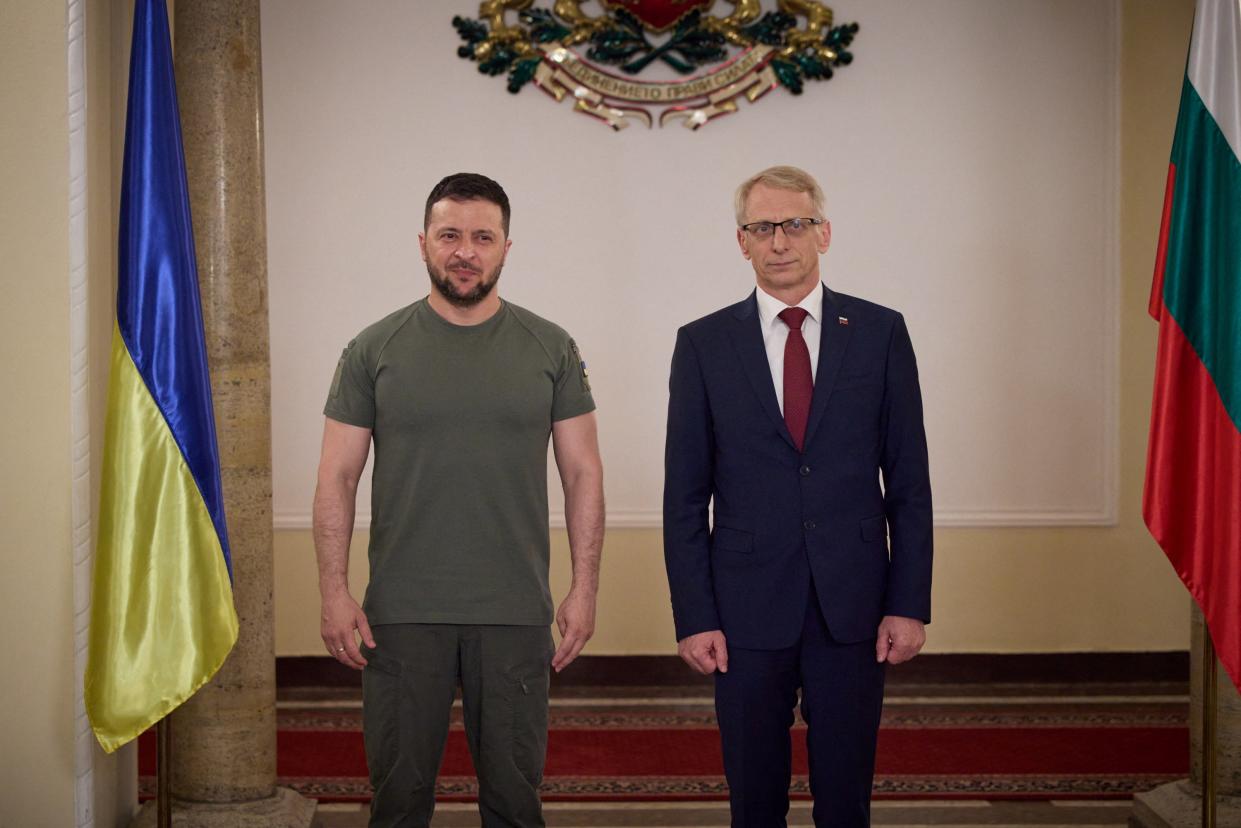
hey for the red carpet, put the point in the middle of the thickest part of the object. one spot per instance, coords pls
(672, 752)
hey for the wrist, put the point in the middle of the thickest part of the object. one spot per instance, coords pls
(333, 587)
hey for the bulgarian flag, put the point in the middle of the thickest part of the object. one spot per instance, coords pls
(1192, 502)
(162, 616)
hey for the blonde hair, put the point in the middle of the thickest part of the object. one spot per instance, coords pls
(782, 178)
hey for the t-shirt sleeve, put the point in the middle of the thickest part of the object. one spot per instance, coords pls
(572, 395)
(351, 399)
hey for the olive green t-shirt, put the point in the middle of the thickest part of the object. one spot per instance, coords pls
(460, 418)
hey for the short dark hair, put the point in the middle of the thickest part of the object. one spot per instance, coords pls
(465, 186)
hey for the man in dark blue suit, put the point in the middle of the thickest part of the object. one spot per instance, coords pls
(796, 416)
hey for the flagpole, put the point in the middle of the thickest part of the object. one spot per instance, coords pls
(1208, 727)
(163, 773)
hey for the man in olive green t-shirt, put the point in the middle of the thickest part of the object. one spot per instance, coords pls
(459, 392)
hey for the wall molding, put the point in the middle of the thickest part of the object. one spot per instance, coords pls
(79, 411)
(1168, 671)
(1110, 483)
(653, 519)
(1024, 401)
(1106, 511)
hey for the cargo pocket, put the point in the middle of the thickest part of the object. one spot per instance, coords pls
(382, 703)
(528, 689)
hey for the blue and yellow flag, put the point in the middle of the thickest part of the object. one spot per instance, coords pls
(162, 616)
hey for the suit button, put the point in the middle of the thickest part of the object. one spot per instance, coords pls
(805, 471)
(809, 524)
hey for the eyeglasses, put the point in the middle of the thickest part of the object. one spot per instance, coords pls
(793, 227)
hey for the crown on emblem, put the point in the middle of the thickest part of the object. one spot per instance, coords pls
(569, 53)
(659, 15)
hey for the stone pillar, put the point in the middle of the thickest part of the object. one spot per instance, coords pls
(224, 738)
(1179, 804)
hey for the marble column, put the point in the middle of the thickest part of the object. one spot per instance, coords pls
(1179, 804)
(224, 738)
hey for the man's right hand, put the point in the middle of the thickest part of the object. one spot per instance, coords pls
(341, 617)
(706, 652)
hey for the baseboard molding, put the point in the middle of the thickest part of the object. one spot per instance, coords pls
(932, 668)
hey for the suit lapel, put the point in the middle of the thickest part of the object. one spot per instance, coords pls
(833, 339)
(747, 338)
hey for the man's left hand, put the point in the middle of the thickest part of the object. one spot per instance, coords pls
(576, 620)
(899, 639)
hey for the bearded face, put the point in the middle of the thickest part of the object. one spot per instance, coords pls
(463, 284)
(464, 246)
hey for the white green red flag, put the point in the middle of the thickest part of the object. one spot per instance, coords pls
(1192, 502)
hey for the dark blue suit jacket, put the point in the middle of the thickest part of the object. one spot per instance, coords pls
(781, 515)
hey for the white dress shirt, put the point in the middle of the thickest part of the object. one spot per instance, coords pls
(776, 333)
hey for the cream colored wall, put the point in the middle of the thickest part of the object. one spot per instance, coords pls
(996, 590)
(951, 150)
(36, 596)
(1101, 589)
(38, 774)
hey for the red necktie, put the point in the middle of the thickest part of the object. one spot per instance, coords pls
(798, 384)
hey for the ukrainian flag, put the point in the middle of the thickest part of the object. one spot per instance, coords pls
(162, 616)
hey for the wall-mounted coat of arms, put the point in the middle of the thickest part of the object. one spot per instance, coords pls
(596, 58)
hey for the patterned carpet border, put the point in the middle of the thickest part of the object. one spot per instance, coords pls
(994, 714)
(1169, 715)
(712, 788)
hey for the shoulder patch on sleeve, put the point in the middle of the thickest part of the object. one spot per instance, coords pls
(340, 369)
(578, 355)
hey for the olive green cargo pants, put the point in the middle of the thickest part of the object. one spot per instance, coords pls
(408, 687)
